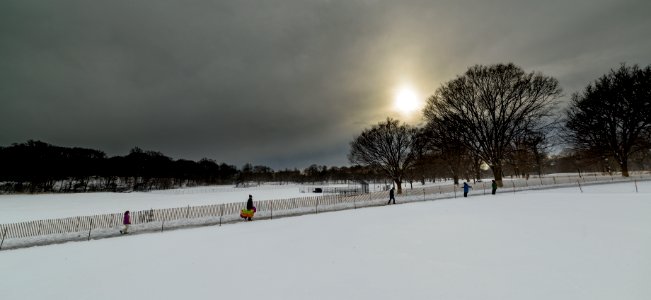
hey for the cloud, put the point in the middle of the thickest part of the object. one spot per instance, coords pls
(281, 83)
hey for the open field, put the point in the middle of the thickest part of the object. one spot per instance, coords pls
(549, 244)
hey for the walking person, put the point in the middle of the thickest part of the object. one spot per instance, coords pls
(392, 196)
(126, 221)
(466, 189)
(250, 208)
(494, 186)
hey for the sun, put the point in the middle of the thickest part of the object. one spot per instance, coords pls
(406, 100)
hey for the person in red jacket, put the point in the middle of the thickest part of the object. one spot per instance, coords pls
(126, 221)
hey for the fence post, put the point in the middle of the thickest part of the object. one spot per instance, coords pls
(40, 226)
(150, 218)
(484, 184)
(221, 213)
(636, 185)
(272, 209)
(440, 192)
(162, 226)
(513, 183)
(3, 238)
(90, 228)
(580, 186)
(554, 177)
(187, 212)
(454, 187)
(316, 208)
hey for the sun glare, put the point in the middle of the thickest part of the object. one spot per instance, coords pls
(406, 100)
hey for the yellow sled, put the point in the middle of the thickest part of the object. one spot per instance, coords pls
(247, 213)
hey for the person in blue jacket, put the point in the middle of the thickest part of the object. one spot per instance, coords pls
(466, 189)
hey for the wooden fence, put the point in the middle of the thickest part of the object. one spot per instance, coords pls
(104, 225)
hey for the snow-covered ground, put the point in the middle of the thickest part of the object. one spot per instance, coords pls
(19, 208)
(27, 207)
(550, 244)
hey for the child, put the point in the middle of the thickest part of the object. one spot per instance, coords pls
(466, 189)
(126, 221)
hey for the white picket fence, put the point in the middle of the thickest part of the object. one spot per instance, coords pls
(42, 232)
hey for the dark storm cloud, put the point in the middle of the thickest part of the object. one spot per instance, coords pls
(280, 83)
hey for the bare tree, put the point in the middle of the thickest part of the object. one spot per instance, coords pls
(530, 152)
(538, 144)
(490, 106)
(447, 146)
(387, 146)
(613, 115)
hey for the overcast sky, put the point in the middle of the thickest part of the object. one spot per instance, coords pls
(278, 83)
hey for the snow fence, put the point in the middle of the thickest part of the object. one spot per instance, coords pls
(50, 231)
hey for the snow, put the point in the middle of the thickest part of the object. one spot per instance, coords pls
(19, 208)
(549, 244)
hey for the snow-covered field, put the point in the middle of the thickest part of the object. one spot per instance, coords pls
(27, 207)
(19, 208)
(550, 244)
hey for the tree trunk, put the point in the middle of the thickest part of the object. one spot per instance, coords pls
(477, 167)
(497, 173)
(456, 179)
(624, 166)
(399, 185)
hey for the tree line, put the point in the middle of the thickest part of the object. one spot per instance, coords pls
(39, 167)
(503, 119)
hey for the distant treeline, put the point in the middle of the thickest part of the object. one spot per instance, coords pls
(37, 167)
